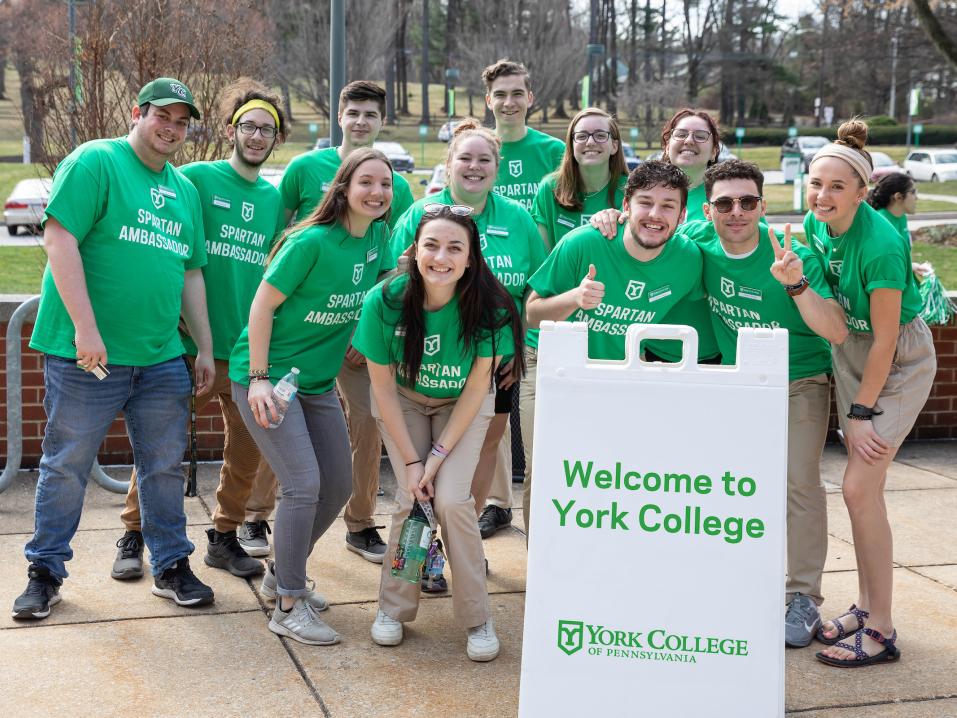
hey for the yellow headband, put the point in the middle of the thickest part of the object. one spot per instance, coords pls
(256, 105)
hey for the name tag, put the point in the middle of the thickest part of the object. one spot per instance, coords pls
(565, 221)
(659, 293)
(497, 231)
(749, 293)
(222, 202)
(372, 254)
(166, 191)
(325, 187)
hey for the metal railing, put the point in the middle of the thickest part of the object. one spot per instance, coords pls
(26, 311)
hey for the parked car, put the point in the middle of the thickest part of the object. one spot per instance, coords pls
(26, 204)
(435, 183)
(401, 160)
(322, 143)
(933, 165)
(883, 165)
(806, 145)
(631, 159)
(446, 130)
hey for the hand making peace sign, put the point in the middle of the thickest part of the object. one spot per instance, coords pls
(787, 267)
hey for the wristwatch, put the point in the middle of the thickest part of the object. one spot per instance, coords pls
(796, 289)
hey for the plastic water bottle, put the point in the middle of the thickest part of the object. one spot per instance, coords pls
(282, 396)
(413, 546)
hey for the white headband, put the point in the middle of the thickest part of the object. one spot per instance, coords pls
(858, 162)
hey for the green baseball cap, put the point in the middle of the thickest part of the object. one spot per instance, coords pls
(167, 91)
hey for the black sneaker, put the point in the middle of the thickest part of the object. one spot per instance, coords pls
(180, 585)
(224, 551)
(129, 557)
(367, 543)
(494, 519)
(43, 591)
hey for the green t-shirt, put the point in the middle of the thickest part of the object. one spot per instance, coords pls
(138, 232)
(309, 175)
(241, 219)
(869, 256)
(446, 362)
(693, 314)
(524, 164)
(511, 244)
(559, 221)
(898, 223)
(635, 292)
(743, 293)
(324, 273)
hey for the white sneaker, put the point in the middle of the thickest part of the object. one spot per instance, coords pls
(302, 623)
(483, 644)
(386, 631)
(269, 591)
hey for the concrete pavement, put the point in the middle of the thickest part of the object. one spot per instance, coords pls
(113, 649)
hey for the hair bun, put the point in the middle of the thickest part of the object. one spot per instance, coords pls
(469, 123)
(853, 133)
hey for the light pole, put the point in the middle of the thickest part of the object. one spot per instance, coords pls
(337, 67)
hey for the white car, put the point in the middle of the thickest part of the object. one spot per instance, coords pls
(26, 204)
(933, 165)
(401, 160)
(273, 175)
(446, 130)
(435, 183)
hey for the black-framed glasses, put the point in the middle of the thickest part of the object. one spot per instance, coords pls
(698, 136)
(459, 210)
(724, 204)
(600, 136)
(249, 128)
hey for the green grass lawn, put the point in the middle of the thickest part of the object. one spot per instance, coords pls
(21, 269)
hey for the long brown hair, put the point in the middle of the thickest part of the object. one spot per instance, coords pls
(335, 204)
(485, 306)
(569, 185)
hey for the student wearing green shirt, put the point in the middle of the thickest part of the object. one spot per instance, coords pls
(303, 316)
(124, 239)
(883, 374)
(510, 243)
(528, 156)
(242, 214)
(754, 280)
(433, 337)
(636, 278)
(690, 140)
(306, 180)
(591, 178)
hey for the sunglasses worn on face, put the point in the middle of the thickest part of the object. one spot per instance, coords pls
(459, 210)
(724, 204)
(698, 136)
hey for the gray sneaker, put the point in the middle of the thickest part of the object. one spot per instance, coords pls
(129, 557)
(801, 621)
(269, 591)
(301, 623)
(252, 537)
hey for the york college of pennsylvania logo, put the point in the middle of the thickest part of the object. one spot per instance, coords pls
(515, 168)
(571, 636)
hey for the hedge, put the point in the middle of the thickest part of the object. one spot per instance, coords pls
(932, 135)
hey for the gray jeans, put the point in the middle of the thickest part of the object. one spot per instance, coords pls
(312, 459)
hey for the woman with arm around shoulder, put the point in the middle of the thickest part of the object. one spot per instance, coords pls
(302, 317)
(432, 338)
(883, 374)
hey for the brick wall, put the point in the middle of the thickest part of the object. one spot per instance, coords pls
(937, 421)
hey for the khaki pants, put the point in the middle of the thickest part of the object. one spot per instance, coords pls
(500, 492)
(354, 387)
(809, 404)
(453, 504)
(526, 407)
(242, 467)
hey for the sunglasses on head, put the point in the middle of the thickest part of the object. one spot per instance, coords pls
(725, 204)
(437, 209)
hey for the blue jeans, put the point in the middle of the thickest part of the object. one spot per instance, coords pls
(80, 408)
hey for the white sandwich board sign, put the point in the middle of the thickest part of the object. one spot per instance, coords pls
(656, 553)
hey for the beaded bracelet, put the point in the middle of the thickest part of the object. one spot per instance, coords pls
(258, 373)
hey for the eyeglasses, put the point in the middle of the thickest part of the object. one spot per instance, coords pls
(249, 128)
(724, 204)
(459, 210)
(698, 136)
(600, 136)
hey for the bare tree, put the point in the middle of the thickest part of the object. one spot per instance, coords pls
(932, 25)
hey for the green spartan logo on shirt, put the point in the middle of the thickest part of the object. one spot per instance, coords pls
(571, 636)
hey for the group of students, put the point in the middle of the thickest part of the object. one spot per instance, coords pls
(417, 312)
